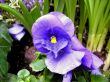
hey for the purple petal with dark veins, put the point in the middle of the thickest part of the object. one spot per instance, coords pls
(76, 44)
(46, 27)
(68, 25)
(65, 62)
(43, 24)
(67, 77)
(96, 62)
(89, 59)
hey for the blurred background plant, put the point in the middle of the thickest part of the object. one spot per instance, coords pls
(92, 21)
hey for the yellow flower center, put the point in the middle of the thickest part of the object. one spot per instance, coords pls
(53, 40)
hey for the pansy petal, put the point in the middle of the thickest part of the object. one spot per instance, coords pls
(67, 77)
(15, 29)
(87, 59)
(96, 72)
(91, 61)
(66, 62)
(56, 47)
(62, 40)
(96, 62)
(19, 36)
(43, 24)
(68, 25)
(40, 48)
(76, 44)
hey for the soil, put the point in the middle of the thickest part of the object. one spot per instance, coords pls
(21, 54)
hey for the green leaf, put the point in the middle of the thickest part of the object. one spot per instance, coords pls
(38, 65)
(5, 47)
(46, 6)
(33, 79)
(98, 78)
(16, 14)
(71, 8)
(26, 14)
(47, 75)
(59, 5)
(12, 78)
(81, 79)
(83, 19)
(23, 73)
(35, 12)
(3, 67)
(55, 4)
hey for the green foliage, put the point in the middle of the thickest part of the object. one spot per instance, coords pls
(34, 10)
(25, 76)
(26, 17)
(46, 7)
(16, 13)
(23, 73)
(38, 64)
(5, 47)
(71, 8)
(81, 79)
(98, 78)
(99, 17)
(83, 19)
(59, 5)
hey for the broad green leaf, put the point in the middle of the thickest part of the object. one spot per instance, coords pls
(3, 67)
(11, 78)
(98, 78)
(23, 73)
(5, 40)
(38, 65)
(33, 79)
(47, 75)
(5, 47)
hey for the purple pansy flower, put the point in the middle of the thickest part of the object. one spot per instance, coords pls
(53, 34)
(17, 31)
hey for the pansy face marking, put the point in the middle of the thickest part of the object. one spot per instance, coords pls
(53, 40)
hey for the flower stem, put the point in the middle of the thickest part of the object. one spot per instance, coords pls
(102, 40)
(107, 61)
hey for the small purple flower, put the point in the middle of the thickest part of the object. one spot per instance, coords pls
(29, 3)
(2, 1)
(67, 77)
(17, 31)
(53, 34)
